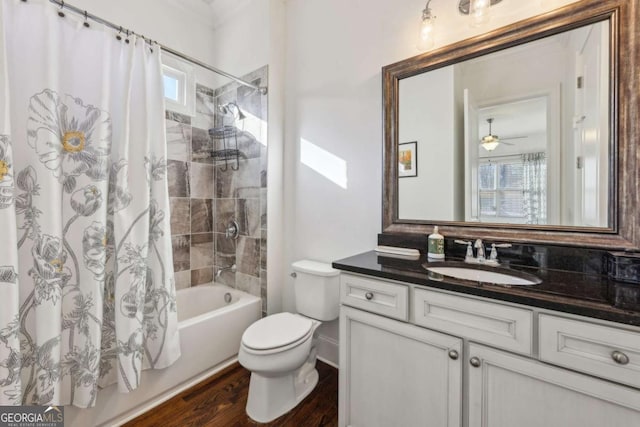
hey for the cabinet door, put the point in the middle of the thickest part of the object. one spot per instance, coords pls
(506, 390)
(396, 374)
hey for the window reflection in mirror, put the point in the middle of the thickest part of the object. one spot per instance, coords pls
(512, 164)
(519, 136)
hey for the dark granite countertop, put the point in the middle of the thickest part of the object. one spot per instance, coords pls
(588, 295)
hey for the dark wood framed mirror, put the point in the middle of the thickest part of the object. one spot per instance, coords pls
(476, 200)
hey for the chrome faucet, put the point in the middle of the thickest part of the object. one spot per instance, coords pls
(479, 251)
(469, 257)
(493, 257)
(480, 257)
(231, 268)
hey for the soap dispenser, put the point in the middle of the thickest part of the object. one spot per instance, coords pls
(435, 245)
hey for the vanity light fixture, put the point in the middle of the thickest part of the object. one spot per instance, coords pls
(426, 30)
(478, 10)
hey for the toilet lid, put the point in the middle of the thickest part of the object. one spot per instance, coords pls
(276, 331)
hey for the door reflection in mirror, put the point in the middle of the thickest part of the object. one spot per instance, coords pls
(512, 174)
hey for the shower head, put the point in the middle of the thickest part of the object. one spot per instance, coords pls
(232, 109)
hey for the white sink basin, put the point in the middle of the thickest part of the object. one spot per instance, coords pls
(485, 276)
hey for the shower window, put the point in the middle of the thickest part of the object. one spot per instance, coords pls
(179, 85)
(172, 86)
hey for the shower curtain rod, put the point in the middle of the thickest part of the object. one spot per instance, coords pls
(262, 89)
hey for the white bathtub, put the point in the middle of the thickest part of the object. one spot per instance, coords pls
(210, 333)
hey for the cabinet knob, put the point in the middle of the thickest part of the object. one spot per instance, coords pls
(453, 355)
(620, 358)
(475, 362)
(368, 296)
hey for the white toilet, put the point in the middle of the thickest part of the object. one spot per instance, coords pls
(280, 350)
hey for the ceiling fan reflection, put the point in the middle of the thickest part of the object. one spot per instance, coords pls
(490, 141)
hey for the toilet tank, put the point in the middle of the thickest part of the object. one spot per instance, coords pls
(317, 289)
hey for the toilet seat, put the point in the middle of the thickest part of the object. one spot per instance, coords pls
(277, 332)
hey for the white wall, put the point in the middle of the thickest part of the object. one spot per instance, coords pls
(234, 38)
(427, 115)
(241, 43)
(165, 21)
(277, 236)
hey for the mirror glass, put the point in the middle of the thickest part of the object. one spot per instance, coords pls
(517, 136)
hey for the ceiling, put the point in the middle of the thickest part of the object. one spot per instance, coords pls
(526, 117)
(213, 13)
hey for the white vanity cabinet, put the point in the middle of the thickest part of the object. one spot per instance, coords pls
(506, 390)
(417, 356)
(394, 373)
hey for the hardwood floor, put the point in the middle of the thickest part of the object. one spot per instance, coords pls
(220, 402)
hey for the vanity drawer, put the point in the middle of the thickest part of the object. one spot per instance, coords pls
(387, 299)
(506, 327)
(599, 350)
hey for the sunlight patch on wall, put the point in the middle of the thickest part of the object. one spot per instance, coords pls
(325, 163)
(255, 126)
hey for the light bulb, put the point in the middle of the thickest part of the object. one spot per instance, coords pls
(426, 30)
(479, 11)
(489, 146)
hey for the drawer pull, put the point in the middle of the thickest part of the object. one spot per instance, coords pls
(620, 358)
(475, 362)
(453, 355)
(368, 296)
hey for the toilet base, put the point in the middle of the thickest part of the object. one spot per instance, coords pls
(272, 397)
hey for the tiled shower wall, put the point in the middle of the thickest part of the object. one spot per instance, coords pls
(206, 195)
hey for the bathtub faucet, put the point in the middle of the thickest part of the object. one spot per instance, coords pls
(231, 268)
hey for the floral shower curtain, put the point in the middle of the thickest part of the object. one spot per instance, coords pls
(535, 187)
(86, 279)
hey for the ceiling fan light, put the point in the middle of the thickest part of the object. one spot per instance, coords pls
(489, 139)
(490, 146)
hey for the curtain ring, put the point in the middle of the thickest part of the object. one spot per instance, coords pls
(118, 36)
(86, 20)
(147, 41)
(127, 39)
(60, 12)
